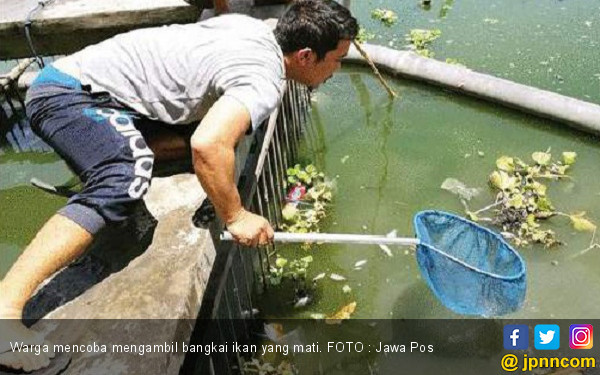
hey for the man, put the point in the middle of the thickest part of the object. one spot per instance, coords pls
(111, 109)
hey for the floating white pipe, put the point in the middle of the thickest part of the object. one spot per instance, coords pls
(577, 113)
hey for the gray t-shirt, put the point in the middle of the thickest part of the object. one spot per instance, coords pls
(176, 73)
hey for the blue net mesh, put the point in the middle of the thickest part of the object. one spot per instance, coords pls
(471, 269)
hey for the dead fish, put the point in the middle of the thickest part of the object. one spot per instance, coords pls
(336, 277)
(319, 276)
(302, 302)
(385, 248)
(360, 263)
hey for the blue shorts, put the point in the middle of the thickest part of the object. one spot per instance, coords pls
(100, 140)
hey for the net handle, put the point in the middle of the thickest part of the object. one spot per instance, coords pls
(365, 239)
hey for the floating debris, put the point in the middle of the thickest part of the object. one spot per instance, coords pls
(459, 188)
(336, 277)
(346, 288)
(342, 314)
(345, 159)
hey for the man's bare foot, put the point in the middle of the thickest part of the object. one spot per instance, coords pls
(14, 335)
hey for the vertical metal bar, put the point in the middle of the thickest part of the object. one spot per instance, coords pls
(15, 90)
(262, 213)
(285, 119)
(293, 106)
(265, 196)
(280, 176)
(260, 252)
(291, 123)
(282, 148)
(247, 282)
(275, 196)
(9, 102)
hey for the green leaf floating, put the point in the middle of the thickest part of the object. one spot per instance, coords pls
(582, 224)
(541, 158)
(569, 157)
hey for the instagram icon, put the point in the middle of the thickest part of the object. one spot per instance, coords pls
(581, 336)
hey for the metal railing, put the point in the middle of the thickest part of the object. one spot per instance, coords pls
(239, 273)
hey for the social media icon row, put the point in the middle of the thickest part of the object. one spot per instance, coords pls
(547, 336)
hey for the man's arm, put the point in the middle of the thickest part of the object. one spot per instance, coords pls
(213, 154)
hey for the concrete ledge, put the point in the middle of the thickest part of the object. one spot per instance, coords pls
(165, 283)
(65, 26)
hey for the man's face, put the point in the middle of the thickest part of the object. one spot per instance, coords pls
(316, 72)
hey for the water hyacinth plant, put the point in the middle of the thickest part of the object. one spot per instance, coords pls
(522, 201)
(294, 269)
(309, 194)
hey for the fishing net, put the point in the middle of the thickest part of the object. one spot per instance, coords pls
(471, 269)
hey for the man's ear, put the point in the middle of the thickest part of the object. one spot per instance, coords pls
(304, 55)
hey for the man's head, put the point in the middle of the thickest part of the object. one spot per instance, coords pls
(314, 36)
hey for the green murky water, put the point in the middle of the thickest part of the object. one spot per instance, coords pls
(23, 208)
(401, 152)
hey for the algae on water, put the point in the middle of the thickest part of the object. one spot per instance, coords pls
(385, 16)
(420, 39)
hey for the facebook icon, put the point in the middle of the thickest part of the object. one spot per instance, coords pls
(516, 337)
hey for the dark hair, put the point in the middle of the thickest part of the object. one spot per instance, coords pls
(316, 24)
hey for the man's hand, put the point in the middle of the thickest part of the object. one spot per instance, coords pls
(250, 230)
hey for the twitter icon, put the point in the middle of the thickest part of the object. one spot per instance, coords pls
(547, 336)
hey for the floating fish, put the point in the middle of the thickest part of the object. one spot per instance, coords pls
(336, 277)
(302, 302)
(385, 248)
(360, 263)
(319, 276)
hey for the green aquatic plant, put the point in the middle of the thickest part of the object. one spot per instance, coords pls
(385, 16)
(420, 39)
(297, 174)
(453, 61)
(522, 202)
(363, 35)
(310, 193)
(294, 270)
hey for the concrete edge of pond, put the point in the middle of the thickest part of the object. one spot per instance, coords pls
(580, 114)
(163, 286)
